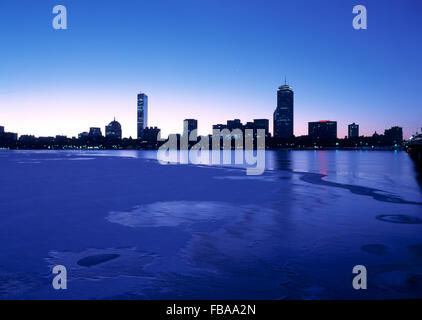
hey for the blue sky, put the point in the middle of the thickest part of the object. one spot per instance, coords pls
(210, 60)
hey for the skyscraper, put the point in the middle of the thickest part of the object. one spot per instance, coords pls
(283, 114)
(142, 113)
(353, 131)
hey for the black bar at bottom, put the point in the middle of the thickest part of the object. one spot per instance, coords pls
(214, 309)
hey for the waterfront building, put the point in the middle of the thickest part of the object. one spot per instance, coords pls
(322, 130)
(189, 125)
(83, 135)
(142, 117)
(95, 132)
(353, 130)
(394, 135)
(151, 135)
(113, 130)
(283, 114)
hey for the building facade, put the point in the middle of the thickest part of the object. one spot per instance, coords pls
(113, 130)
(189, 125)
(353, 130)
(323, 130)
(394, 135)
(142, 119)
(152, 135)
(95, 132)
(283, 114)
(234, 124)
(83, 135)
(262, 124)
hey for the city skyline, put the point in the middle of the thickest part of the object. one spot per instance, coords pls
(143, 123)
(63, 82)
(282, 119)
(325, 130)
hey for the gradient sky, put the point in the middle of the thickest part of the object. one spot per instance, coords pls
(210, 60)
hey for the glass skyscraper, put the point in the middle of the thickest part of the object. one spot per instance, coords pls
(142, 114)
(283, 114)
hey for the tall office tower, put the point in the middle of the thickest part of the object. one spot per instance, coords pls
(189, 125)
(323, 129)
(1, 129)
(283, 114)
(142, 113)
(353, 130)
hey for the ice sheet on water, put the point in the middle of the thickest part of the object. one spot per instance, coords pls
(96, 263)
(186, 213)
(172, 213)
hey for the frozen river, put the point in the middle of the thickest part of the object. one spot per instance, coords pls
(127, 227)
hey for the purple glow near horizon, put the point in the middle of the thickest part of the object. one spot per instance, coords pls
(63, 82)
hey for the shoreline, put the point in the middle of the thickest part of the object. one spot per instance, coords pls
(392, 149)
